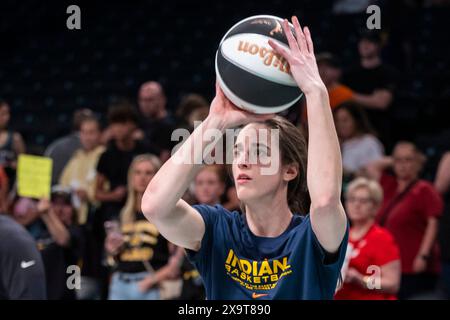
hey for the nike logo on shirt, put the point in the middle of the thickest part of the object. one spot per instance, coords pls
(27, 264)
(259, 295)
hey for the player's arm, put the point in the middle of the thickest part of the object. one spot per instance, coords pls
(177, 221)
(324, 173)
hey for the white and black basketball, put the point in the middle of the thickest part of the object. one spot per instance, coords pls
(249, 71)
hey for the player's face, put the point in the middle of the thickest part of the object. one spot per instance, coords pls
(208, 187)
(89, 135)
(143, 172)
(252, 153)
(345, 124)
(360, 206)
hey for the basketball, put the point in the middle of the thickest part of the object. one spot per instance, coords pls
(248, 70)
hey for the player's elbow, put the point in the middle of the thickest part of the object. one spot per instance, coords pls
(149, 207)
(152, 207)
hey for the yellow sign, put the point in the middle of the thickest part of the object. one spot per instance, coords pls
(34, 176)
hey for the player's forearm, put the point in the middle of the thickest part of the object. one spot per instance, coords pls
(174, 177)
(324, 173)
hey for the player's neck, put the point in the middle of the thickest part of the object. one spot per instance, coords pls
(268, 217)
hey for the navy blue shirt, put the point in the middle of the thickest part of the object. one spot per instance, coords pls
(235, 264)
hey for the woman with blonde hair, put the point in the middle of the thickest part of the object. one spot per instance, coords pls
(140, 252)
(374, 260)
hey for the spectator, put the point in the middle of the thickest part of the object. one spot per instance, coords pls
(192, 108)
(113, 164)
(359, 145)
(22, 273)
(330, 72)
(11, 144)
(369, 245)
(410, 211)
(373, 83)
(350, 6)
(80, 172)
(442, 185)
(209, 188)
(24, 211)
(141, 252)
(4, 189)
(59, 241)
(156, 121)
(80, 175)
(63, 148)
(209, 185)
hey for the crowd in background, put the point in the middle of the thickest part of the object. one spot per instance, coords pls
(400, 223)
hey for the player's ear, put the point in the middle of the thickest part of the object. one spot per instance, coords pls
(290, 172)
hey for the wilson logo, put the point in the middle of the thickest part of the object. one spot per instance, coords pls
(267, 55)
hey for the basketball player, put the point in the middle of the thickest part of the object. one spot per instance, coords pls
(269, 251)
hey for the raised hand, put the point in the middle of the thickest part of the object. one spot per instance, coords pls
(230, 115)
(300, 56)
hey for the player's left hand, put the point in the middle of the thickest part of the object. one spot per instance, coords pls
(300, 56)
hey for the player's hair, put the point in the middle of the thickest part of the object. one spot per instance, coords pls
(128, 212)
(293, 150)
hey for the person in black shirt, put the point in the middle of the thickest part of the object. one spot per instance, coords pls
(111, 179)
(113, 164)
(141, 255)
(11, 144)
(22, 274)
(59, 240)
(156, 122)
(373, 83)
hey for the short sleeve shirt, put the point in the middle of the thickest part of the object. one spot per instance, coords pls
(237, 265)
